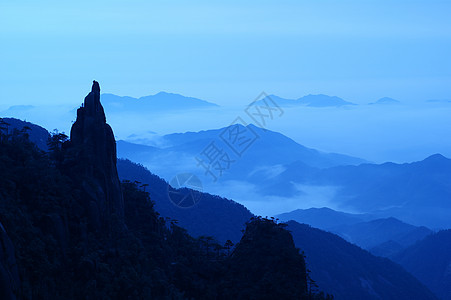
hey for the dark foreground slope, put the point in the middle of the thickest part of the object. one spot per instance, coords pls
(62, 255)
(430, 261)
(210, 215)
(37, 134)
(65, 234)
(266, 261)
(348, 272)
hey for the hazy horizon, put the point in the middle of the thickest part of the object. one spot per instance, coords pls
(225, 53)
(228, 53)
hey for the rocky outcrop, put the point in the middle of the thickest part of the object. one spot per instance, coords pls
(94, 147)
(9, 275)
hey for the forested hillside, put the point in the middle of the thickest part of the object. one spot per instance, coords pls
(70, 230)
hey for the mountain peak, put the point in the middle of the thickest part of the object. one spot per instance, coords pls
(164, 93)
(436, 158)
(386, 100)
(91, 106)
(95, 87)
(321, 100)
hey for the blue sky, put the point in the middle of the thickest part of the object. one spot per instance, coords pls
(225, 52)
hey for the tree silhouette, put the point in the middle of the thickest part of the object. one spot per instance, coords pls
(4, 130)
(144, 185)
(228, 244)
(55, 144)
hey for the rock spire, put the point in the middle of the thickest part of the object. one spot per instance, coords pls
(95, 152)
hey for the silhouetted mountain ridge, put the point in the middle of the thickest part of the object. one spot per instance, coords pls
(382, 237)
(430, 261)
(348, 272)
(415, 192)
(319, 100)
(161, 101)
(175, 153)
(211, 215)
(37, 134)
(323, 218)
(376, 232)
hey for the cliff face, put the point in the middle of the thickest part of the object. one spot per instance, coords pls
(94, 145)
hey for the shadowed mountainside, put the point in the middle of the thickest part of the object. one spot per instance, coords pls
(430, 261)
(348, 272)
(382, 237)
(210, 215)
(37, 134)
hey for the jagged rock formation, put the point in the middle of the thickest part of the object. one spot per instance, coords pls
(94, 145)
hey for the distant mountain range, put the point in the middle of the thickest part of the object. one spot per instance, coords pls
(382, 237)
(177, 103)
(375, 234)
(324, 218)
(158, 102)
(19, 108)
(266, 150)
(417, 193)
(319, 100)
(164, 101)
